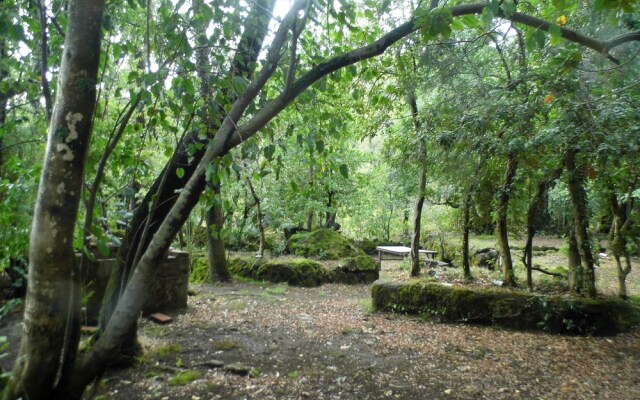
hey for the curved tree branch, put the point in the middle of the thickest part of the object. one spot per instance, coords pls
(378, 47)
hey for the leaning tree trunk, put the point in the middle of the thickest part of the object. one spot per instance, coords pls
(501, 225)
(164, 189)
(52, 311)
(575, 177)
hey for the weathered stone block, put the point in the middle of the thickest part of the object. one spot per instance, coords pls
(506, 308)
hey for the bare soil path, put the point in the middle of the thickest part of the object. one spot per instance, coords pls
(323, 343)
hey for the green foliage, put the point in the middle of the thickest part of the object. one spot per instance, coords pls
(200, 270)
(434, 23)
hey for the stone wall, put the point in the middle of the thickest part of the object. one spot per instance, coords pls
(168, 291)
(505, 308)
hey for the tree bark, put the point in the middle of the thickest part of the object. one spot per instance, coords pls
(574, 262)
(533, 220)
(217, 253)
(506, 261)
(575, 178)
(259, 217)
(422, 183)
(466, 266)
(52, 311)
(618, 241)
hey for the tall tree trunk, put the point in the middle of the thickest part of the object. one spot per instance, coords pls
(466, 222)
(422, 183)
(330, 215)
(618, 241)
(501, 225)
(217, 252)
(4, 99)
(52, 311)
(575, 178)
(44, 58)
(534, 220)
(164, 189)
(574, 262)
(215, 214)
(259, 217)
(417, 217)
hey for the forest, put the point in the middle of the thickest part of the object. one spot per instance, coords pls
(292, 141)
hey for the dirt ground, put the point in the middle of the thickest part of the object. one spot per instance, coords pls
(324, 343)
(261, 341)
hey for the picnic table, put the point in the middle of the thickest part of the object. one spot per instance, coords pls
(403, 251)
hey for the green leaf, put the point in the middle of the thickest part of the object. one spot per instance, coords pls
(103, 247)
(320, 146)
(269, 151)
(471, 21)
(541, 38)
(344, 170)
(556, 34)
(180, 172)
(508, 8)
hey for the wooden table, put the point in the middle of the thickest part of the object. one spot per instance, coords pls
(403, 251)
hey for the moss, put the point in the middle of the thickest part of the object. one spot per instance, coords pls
(309, 273)
(506, 308)
(244, 266)
(200, 270)
(360, 263)
(367, 245)
(173, 348)
(226, 345)
(323, 243)
(185, 378)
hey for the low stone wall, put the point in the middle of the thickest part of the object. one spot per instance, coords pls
(304, 272)
(168, 291)
(506, 308)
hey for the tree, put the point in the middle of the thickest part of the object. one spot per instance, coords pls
(52, 321)
(50, 275)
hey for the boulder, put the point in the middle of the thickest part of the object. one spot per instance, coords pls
(325, 244)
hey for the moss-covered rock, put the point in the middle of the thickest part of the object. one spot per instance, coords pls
(299, 272)
(325, 244)
(353, 270)
(367, 245)
(200, 270)
(506, 308)
(244, 266)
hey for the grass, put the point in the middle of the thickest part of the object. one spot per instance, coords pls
(173, 348)
(226, 345)
(184, 378)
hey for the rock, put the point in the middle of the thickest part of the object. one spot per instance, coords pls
(487, 257)
(213, 364)
(238, 369)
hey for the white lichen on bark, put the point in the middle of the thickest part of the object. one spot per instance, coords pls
(72, 120)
